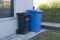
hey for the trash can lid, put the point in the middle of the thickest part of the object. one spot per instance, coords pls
(35, 11)
(23, 13)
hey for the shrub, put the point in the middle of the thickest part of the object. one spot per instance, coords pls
(51, 12)
(43, 6)
(53, 5)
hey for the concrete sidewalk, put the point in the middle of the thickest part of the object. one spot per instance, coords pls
(23, 37)
(51, 24)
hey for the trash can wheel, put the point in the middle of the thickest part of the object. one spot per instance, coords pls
(17, 32)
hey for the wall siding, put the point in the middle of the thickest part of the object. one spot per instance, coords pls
(9, 27)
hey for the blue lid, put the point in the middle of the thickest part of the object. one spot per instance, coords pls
(34, 11)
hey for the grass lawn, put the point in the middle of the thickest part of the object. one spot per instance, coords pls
(48, 35)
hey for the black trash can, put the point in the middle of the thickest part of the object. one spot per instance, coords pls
(23, 23)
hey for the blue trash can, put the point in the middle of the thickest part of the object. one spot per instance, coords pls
(35, 20)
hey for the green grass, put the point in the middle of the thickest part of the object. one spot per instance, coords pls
(48, 35)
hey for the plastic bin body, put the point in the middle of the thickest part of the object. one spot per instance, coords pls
(23, 23)
(35, 20)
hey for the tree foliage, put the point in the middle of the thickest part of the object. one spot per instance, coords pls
(51, 11)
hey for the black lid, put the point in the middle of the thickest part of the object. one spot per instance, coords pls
(23, 13)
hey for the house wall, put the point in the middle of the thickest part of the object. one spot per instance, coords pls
(8, 26)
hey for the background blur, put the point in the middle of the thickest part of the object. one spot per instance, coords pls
(51, 10)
